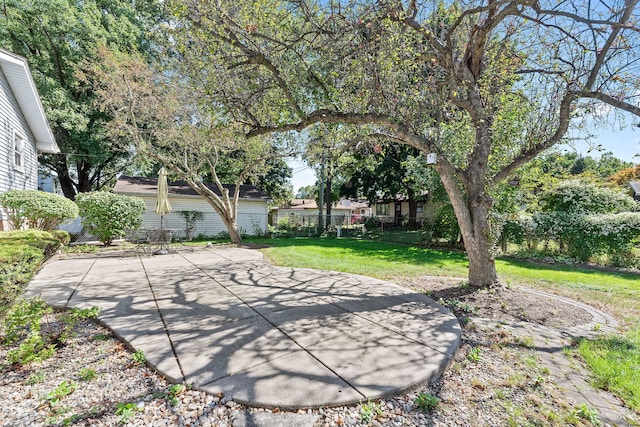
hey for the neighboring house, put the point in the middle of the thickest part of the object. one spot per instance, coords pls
(24, 130)
(635, 190)
(398, 210)
(252, 206)
(50, 184)
(305, 211)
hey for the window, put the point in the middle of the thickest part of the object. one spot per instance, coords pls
(382, 209)
(18, 152)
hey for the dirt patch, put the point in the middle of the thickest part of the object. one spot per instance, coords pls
(501, 304)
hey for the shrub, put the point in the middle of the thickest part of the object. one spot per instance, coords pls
(581, 236)
(613, 234)
(31, 325)
(445, 225)
(62, 236)
(190, 220)
(578, 196)
(36, 209)
(427, 402)
(109, 215)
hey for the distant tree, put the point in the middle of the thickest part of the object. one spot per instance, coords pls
(275, 181)
(171, 120)
(273, 178)
(608, 165)
(625, 176)
(307, 192)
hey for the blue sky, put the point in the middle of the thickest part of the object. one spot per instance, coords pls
(625, 144)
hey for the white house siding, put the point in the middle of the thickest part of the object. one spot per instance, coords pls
(12, 121)
(252, 216)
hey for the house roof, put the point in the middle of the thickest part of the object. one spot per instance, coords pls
(304, 204)
(149, 187)
(16, 70)
(635, 187)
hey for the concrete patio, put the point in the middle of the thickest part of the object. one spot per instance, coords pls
(224, 321)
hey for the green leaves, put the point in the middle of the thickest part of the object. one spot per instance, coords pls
(37, 209)
(585, 197)
(59, 38)
(108, 215)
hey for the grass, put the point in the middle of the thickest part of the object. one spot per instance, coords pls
(373, 258)
(385, 260)
(615, 363)
(613, 360)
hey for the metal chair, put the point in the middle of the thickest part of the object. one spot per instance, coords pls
(160, 239)
(139, 238)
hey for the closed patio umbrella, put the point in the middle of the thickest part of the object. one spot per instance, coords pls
(163, 206)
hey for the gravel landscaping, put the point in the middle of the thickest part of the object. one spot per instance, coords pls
(495, 379)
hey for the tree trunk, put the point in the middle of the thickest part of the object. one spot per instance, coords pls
(232, 228)
(66, 184)
(83, 170)
(413, 208)
(327, 200)
(472, 213)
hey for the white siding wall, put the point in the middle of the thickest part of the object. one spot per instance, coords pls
(12, 121)
(252, 216)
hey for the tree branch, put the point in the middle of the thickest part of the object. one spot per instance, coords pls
(602, 54)
(564, 118)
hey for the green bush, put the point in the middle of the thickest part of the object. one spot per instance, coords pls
(190, 220)
(36, 209)
(109, 215)
(583, 219)
(579, 235)
(62, 236)
(585, 197)
(445, 225)
(613, 234)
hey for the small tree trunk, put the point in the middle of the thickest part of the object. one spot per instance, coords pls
(327, 200)
(232, 228)
(83, 170)
(413, 213)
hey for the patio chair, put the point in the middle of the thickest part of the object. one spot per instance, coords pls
(139, 238)
(160, 240)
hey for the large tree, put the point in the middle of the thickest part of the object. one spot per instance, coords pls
(485, 84)
(58, 37)
(169, 118)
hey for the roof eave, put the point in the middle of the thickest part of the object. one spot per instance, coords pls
(16, 70)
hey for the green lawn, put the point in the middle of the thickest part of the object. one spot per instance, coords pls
(613, 360)
(372, 258)
(387, 260)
